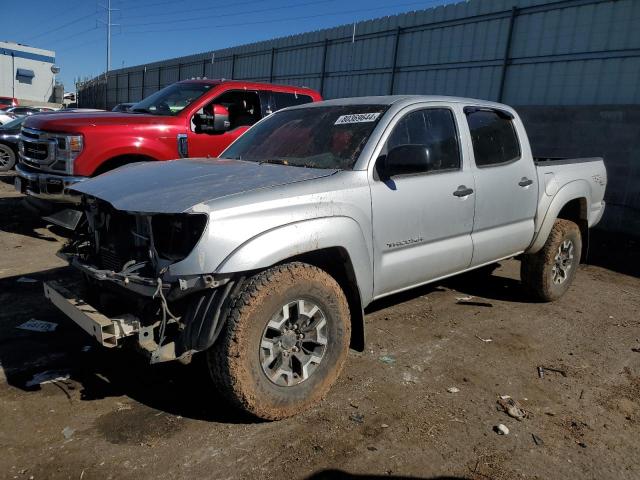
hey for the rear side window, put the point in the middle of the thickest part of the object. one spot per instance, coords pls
(434, 128)
(284, 100)
(493, 136)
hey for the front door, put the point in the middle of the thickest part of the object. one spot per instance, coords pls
(244, 110)
(422, 221)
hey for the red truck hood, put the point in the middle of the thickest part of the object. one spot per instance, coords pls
(78, 122)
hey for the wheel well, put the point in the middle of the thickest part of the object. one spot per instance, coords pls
(336, 262)
(119, 161)
(576, 211)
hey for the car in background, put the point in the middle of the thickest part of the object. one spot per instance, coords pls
(9, 137)
(191, 118)
(28, 110)
(8, 102)
(122, 107)
(6, 117)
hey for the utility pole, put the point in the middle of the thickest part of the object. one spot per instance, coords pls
(108, 24)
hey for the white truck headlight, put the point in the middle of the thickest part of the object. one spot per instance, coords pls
(67, 149)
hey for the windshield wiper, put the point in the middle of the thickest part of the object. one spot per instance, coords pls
(276, 161)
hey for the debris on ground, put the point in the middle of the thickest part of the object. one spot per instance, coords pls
(486, 340)
(38, 326)
(512, 408)
(453, 389)
(357, 417)
(384, 425)
(501, 429)
(26, 280)
(388, 359)
(464, 299)
(48, 376)
(637, 350)
(542, 369)
(537, 440)
(68, 432)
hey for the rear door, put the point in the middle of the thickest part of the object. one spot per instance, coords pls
(506, 184)
(422, 225)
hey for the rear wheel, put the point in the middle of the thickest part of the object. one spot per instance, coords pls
(285, 341)
(548, 273)
(7, 158)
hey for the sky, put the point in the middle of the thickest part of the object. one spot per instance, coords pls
(151, 30)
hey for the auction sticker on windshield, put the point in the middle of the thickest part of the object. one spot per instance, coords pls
(357, 118)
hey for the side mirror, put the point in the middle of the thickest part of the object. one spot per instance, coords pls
(405, 160)
(215, 122)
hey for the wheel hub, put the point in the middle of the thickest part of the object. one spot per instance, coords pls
(563, 262)
(293, 343)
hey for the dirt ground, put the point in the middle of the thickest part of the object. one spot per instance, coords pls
(106, 414)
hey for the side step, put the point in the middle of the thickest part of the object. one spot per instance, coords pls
(107, 331)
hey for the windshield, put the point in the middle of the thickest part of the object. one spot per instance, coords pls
(315, 137)
(172, 99)
(14, 123)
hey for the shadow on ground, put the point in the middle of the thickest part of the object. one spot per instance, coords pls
(617, 252)
(342, 475)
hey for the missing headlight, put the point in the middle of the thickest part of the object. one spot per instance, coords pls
(175, 235)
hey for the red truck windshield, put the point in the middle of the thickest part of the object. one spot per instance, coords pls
(315, 137)
(171, 100)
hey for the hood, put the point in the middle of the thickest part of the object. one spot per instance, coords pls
(78, 121)
(178, 185)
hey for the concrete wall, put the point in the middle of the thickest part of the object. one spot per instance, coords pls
(608, 131)
(14, 56)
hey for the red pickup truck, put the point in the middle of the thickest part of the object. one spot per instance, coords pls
(191, 118)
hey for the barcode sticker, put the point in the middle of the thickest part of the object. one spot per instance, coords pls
(357, 118)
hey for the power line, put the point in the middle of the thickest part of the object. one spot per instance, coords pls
(60, 27)
(289, 19)
(204, 9)
(284, 7)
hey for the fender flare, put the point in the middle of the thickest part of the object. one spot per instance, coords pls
(294, 239)
(571, 191)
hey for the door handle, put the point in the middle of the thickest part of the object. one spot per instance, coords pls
(463, 191)
(525, 182)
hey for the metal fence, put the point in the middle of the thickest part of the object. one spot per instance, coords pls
(523, 52)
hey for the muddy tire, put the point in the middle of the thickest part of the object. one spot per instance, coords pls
(285, 341)
(548, 273)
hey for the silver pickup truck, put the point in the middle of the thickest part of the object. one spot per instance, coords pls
(265, 258)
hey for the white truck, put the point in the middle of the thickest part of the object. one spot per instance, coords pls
(265, 258)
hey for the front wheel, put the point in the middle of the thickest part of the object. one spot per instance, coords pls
(548, 273)
(285, 341)
(7, 158)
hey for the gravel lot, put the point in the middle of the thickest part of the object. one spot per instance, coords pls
(106, 414)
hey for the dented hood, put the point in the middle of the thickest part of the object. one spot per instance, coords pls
(179, 185)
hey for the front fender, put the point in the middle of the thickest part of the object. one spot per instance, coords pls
(278, 244)
(571, 191)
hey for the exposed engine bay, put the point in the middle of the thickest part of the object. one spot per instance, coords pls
(124, 258)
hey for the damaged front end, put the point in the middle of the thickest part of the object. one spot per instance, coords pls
(128, 292)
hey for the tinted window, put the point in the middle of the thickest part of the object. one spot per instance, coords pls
(494, 138)
(284, 100)
(243, 106)
(434, 128)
